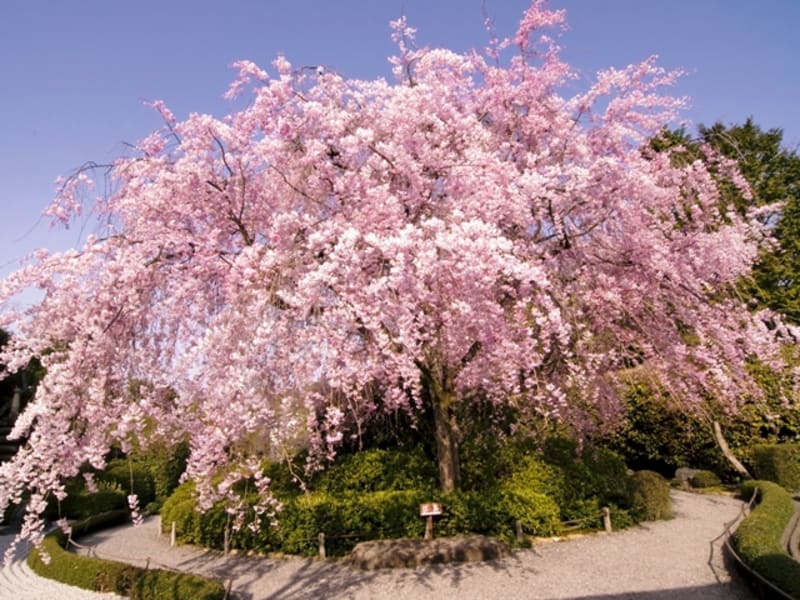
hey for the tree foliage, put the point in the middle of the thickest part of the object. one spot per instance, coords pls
(468, 233)
(772, 173)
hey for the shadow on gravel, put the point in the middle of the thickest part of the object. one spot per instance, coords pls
(690, 593)
(315, 579)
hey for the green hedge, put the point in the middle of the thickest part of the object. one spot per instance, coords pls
(779, 463)
(123, 472)
(649, 496)
(758, 538)
(107, 576)
(81, 504)
(350, 518)
(377, 470)
(704, 479)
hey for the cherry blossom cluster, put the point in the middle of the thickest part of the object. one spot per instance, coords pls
(341, 247)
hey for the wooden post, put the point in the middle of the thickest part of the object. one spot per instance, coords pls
(607, 519)
(226, 542)
(172, 536)
(321, 542)
(429, 527)
(147, 564)
(16, 403)
(520, 534)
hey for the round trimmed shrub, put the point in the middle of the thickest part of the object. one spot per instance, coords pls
(704, 479)
(779, 463)
(649, 496)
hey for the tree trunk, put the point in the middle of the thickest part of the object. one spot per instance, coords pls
(726, 451)
(446, 440)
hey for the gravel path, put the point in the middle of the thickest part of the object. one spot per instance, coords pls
(665, 560)
(19, 582)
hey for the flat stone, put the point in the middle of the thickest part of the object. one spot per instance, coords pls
(409, 553)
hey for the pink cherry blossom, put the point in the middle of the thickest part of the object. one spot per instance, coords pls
(340, 247)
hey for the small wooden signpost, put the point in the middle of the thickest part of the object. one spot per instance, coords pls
(428, 510)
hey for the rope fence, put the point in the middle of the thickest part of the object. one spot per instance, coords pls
(772, 591)
(146, 563)
(322, 538)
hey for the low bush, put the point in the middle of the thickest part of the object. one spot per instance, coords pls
(157, 585)
(192, 527)
(704, 479)
(107, 576)
(81, 504)
(758, 538)
(377, 470)
(649, 496)
(779, 463)
(166, 465)
(130, 477)
(587, 479)
(81, 571)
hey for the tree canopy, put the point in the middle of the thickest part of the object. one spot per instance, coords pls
(338, 248)
(773, 176)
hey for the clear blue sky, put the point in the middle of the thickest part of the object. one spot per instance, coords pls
(74, 73)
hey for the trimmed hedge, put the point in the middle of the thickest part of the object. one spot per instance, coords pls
(351, 518)
(108, 576)
(81, 504)
(758, 538)
(123, 472)
(704, 479)
(649, 496)
(377, 470)
(779, 463)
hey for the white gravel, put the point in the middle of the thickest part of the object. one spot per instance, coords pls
(676, 559)
(19, 582)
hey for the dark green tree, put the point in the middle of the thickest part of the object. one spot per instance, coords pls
(773, 173)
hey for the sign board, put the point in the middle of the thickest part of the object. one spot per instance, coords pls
(430, 509)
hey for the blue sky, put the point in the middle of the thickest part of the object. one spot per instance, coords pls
(74, 73)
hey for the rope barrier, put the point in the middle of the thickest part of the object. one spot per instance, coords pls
(774, 591)
(132, 560)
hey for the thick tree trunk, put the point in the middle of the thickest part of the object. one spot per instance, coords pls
(728, 453)
(446, 442)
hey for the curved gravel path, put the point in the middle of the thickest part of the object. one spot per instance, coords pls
(664, 560)
(19, 582)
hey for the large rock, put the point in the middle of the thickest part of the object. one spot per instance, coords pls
(684, 474)
(392, 554)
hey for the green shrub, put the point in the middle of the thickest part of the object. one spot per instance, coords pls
(758, 538)
(192, 527)
(81, 571)
(282, 480)
(155, 585)
(588, 479)
(779, 463)
(704, 479)
(131, 477)
(376, 494)
(81, 504)
(164, 466)
(649, 496)
(537, 512)
(377, 470)
(100, 521)
(108, 576)
(347, 520)
(608, 475)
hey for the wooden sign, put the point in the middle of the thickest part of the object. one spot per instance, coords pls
(430, 509)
